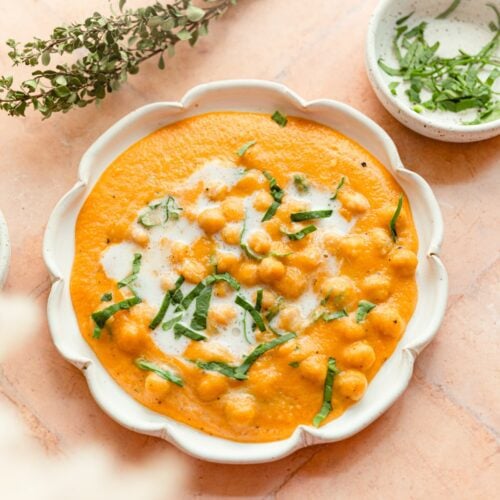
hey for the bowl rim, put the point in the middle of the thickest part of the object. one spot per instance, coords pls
(375, 77)
(5, 251)
(187, 438)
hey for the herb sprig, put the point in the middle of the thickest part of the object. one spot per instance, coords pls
(114, 47)
(326, 407)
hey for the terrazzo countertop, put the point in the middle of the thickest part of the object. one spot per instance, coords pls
(440, 440)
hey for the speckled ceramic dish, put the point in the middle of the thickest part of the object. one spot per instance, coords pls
(4, 250)
(258, 96)
(465, 28)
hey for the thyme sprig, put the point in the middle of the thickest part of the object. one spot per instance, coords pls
(114, 47)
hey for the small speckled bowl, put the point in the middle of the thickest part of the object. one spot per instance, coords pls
(4, 250)
(465, 28)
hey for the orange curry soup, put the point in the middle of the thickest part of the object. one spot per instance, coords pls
(243, 276)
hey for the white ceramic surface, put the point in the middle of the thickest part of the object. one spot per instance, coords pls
(465, 28)
(4, 250)
(261, 96)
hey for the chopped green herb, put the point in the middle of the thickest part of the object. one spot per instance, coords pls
(180, 329)
(401, 20)
(393, 87)
(160, 212)
(274, 311)
(339, 185)
(258, 300)
(244, 246)
(199, 321)
(449, 10)
(107, 297)
(245, 148)
(279, 118)
(294, 364)
(326, 408)
(171, 322)
(301, 183)
(301, 234)
(331, 316)
(364, 307)
(100, 317)
(392, 223)
(221, 367)
(209, 280)
(277, 193)
(132, 277)
(144, 364)
(314, 214)
(165, 303)
(253, 312)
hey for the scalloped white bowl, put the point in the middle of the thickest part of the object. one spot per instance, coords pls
(260, 96)
(4, 250)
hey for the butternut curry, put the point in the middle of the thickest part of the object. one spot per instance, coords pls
(244, 275)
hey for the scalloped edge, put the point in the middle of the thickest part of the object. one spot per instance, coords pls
(263, 96)
(4, 251)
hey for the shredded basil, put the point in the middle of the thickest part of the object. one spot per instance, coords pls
(392, 224)
(132, 277)
(165, 303)
(245, 148)
(294, 364)
(364, 307)
(171, 322)
(279, 118)
(339, 185)
(160, 212)
(199, 321)
(331, 316)
(449, 10)
(244, 246)
(221, 367)
(314, 214)
(326, 408)
(258, 300)
(301, 183)
(302, 233)
(107, 297)
(277, 193)
(253, 312)
(144, 364)
(100, 317)
(209, 280)
(274, 311)
(180, 329)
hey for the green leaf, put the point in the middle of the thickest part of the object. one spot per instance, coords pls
(279, 118)
(45, 58)
(277, 193)
(449, 10)
(183, 35)
(100, 317)
(294, 364)
(314, 214)
(199, 321)
(171, 322)
(301, 183)
(393, 87)
(364, 307)
(326, 407)
(180, 329)
(392, 223)
(146, 365)
(161, 62)
(332, 316)
(132, 277)
(221, 367)
(107, 297)
(302, 233)
(194, 13)
(339, 185)
(401, 20)
(121, 4)
(245, 148)
(253, 312)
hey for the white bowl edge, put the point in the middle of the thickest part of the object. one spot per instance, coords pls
(245, 95)
(4, 250)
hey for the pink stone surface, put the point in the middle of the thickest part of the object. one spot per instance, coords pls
(440, 440)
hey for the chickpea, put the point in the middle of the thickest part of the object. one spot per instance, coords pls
(351, 384)
(307, 260)
(247, 274)
(193, 271)
(211, 220)
(262, 200)
(352, 245)
(259, 241)
(403, 261)
(179, 251)
(292, 205)
(129, 336)
(268, 299)
(376, 287)
(240, 408)
(340, 290)
(290, 319)
(314, 368)
(331, 241)
(156, 387)
(381, 240)
(292, 285)
(271, 270)
(166, 282)
(222, 289)
(231, 233)
(221, 315)
(353, 201)
(287, 349)
(273, 228)
(212, 386)
(226, 261)
(387, 321)
(251, 181)
(233, 209)
(216, 190)
(263, 382)
(349, 329)
(208, 351)
(360, 355)
(140, 235)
